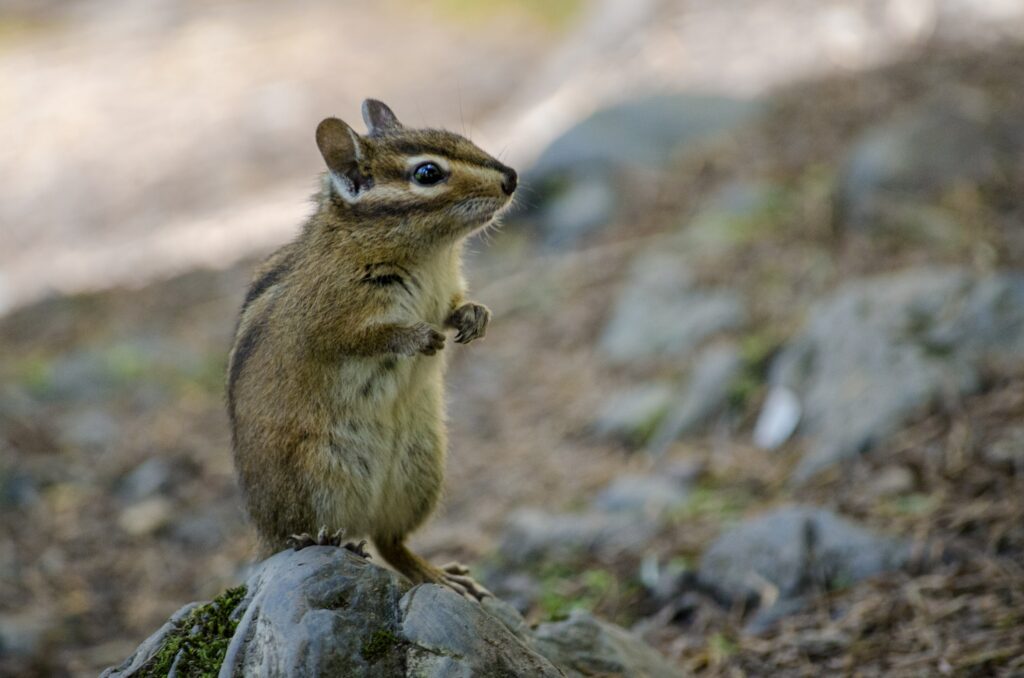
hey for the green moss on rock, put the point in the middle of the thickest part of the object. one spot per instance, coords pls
(378, 645)
(200, 640)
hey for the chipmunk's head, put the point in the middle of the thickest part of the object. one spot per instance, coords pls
(431, 183)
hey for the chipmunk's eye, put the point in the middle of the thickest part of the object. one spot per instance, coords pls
(428, 174)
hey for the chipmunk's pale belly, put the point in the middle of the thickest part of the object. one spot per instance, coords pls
(385, 457)
(387, 448)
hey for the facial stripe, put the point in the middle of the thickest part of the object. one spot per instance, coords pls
(420, 148)
(370, 209)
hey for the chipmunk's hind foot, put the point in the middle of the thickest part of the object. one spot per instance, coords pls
(456, 576)
(325, 538)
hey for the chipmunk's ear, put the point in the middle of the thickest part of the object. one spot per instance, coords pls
(342, 150)
(378, 117)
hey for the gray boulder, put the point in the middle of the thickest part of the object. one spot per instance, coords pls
(585, 646)
(578, 181)
(907, 162)
(880, 349)
(633, 414)
(715, 369)
(776, 559)
(735, 213)
(531, 535)
(660, 313)
(649, 495)
(450, 636)
(326, 611)
(645, 132)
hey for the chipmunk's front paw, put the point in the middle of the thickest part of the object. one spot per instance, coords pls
(471, 321)
(426, 339)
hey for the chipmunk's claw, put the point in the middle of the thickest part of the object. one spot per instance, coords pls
(324, 538)
(456, 577)
(358, 549)
(471, 321)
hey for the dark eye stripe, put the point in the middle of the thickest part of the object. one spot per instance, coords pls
(414, 148)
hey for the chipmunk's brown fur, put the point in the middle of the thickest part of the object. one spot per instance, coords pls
(335, 379)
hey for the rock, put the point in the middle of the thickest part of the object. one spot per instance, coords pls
(326, 611)
(644, 132)
(133, 665)
(92, 429)
(18, 489)
(1007, 450)
(319, 611)
(531, 534)
(146, 517)
(892, 481)
(79, 376)
(778, 419)
(515, 587)
(659, 313)
(779, 557)
(733, 214)
(585, 646)
(650, 495)
(705, 395)
(582, 207)
(880, 349)
(631, 416)
(148, 478)
(913, 158)
(23, 634)
(450, 636)
(205, 528)
(578, 181)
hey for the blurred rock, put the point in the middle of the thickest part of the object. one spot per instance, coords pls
(780, 556)
(664, 581)
(938, 144)
(578, 181)
(516, 588)
(892, 482)
(146, 517)
(326, 611)
(585, 646)
(645, 494)
(22, 634)
(660, 314)
(79, 376)
(18, 489)
(1008, 450)
(880, 349)
(580, 208)
(532, 535)
(92, 429)
(631, 416)
(705, 395)
(733, 214)
(206, 528)
(778, 418)
(148, 478)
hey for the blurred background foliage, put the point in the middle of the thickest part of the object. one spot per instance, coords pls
(755, 379)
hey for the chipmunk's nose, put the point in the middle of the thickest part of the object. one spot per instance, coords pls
(511, 179)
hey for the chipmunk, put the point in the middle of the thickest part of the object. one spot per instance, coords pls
(336, 376)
